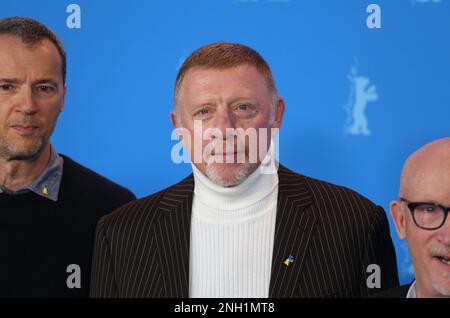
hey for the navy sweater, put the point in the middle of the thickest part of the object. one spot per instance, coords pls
(45, 246)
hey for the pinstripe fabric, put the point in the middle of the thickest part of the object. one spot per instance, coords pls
(333, 233)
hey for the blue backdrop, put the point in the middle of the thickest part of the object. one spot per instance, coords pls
(358, 100)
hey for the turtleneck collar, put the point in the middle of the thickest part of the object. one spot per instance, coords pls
(254, 189)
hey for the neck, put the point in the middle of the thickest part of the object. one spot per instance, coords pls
(254, 189)
(16, 174)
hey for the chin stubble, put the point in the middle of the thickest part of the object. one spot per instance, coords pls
(239, 174)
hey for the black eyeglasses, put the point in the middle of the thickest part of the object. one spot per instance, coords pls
(427, 215)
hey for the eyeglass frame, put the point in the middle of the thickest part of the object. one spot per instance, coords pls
(413, 205)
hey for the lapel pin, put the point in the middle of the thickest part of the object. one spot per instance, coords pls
(45, 190)
(289, 260)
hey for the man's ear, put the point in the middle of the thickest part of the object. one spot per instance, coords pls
(64, 97)
(399, 217)
(173, 119)
(279, 111)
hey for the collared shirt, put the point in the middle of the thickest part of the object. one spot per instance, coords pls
(412, 291)
(48, 183)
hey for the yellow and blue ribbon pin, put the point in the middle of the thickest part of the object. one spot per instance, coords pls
(289, 260)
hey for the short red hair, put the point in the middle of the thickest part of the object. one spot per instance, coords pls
(222, 55)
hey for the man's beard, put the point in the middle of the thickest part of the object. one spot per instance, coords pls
(442, 290)
(239, 175)
(11, 152)
(243, 167)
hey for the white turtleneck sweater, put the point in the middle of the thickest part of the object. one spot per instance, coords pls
(232, 236)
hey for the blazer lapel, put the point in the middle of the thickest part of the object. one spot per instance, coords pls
(293, 231)
(172, 233)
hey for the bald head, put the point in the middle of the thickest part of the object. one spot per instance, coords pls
(426, 173)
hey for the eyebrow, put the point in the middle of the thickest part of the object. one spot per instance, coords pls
(40, 81)
(206, 102)
(244, 100)
(10, 80)
(46, 80)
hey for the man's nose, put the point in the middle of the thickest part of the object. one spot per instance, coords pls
(26, 102)
(224, 120)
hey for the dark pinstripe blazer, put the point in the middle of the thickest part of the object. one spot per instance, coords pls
(142, 248)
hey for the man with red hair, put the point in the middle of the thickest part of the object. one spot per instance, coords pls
(241, 225)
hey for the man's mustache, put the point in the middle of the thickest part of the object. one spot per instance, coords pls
(439, 251)
(221, 148)
(25, 122)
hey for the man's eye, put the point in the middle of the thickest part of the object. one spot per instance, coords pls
(243, 107)
(203, 111)
(427, 208)
(45, 89)
(6, 87)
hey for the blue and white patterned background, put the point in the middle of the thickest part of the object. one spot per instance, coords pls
(332, 69)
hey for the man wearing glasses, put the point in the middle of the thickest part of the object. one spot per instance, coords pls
(421, 218)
